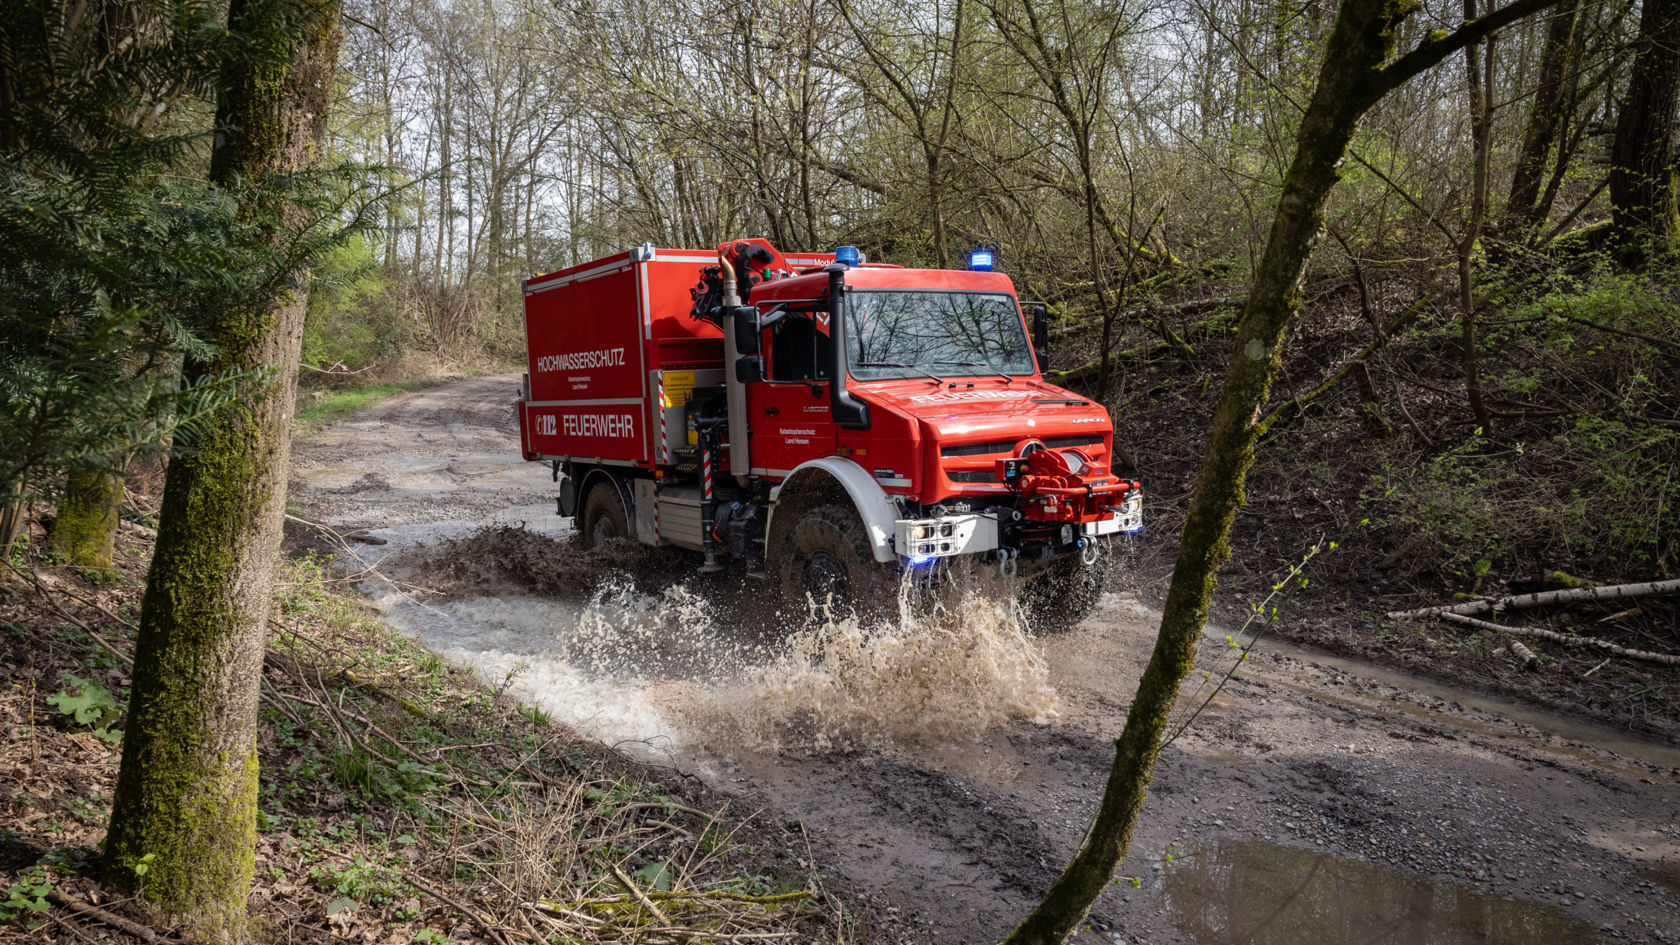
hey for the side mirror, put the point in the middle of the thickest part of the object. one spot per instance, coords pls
(747, 329)
(1040, 314)
(750, 369)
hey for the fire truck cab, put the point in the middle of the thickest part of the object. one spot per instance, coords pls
(827, 421)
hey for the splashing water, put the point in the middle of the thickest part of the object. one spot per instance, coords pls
(954, 661)
(672, 632)
(703, 660)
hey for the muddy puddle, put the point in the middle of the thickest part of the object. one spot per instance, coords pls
(1254, 893)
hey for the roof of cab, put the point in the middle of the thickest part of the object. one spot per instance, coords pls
(815, 284)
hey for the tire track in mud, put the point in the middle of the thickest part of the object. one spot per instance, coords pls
(1543, 829)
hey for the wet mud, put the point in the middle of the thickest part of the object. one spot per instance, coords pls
(946, 764)
(1253, 893)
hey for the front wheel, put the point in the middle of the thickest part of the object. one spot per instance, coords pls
(827, 561)
(1064, 593)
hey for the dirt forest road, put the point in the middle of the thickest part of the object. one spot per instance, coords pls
(1313, 801)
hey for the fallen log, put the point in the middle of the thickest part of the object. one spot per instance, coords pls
(1544, 599)
(1667, 659)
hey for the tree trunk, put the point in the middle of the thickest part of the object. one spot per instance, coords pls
(1480, 88)
(187, 791)
(14, 515)
(1351, 80)
(1642, 196)
(1552, 105)
(85, 531)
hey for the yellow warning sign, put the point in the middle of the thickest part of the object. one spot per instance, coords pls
(678, 385)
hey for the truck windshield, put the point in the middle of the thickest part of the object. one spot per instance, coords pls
(944, 334)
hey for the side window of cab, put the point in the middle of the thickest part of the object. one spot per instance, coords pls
(798, 351)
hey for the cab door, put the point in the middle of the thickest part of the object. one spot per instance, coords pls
(788, 410)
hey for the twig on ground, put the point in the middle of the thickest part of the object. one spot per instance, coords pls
(46, 595)
(641, 897)
(150, 936)
(68, 927)
(483, 923)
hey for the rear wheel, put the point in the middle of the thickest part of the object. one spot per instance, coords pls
(602, 517)
(1064, 593)
(827, 561)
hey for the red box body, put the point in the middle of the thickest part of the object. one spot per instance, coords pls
(594, 335)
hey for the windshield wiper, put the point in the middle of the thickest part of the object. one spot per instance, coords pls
(898, 364)
(1006, 377)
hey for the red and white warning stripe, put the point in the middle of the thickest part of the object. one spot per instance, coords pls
(706, 473)
(664, 438)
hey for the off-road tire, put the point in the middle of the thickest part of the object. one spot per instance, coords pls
(602, 516)
(1063, 594)
(827, 558)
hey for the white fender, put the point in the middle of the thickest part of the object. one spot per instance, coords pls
(877, 509)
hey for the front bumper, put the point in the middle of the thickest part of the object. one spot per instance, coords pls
(1127, 517)
(920, 539)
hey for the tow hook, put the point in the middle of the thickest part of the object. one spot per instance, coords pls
(1088, 551)
(1008, 565)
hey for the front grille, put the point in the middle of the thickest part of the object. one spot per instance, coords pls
(1007, 447)
(1063, 442)
(978, 449)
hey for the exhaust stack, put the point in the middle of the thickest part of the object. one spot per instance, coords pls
(735, 392)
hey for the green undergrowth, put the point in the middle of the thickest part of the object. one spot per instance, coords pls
(401, 800)
(1579, 471)
(323, 407)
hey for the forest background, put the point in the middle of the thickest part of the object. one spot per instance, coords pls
(1480, 392)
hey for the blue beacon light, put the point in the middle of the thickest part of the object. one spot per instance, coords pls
(980, 260)
(847, 255)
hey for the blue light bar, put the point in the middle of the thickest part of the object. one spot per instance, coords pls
(847, 255)
(920, 559)
(980, 260)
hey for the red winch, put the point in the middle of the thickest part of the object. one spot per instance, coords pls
(1062, 486)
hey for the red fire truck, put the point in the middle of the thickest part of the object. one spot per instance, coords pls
(826, 420)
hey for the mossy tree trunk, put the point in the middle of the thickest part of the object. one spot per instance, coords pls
(1643, 207)
(187, 790)
(1355, 75)
(85, 531)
